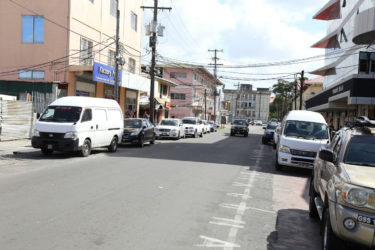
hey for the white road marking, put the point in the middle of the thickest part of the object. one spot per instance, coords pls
(243, 196)
(212, 242)
(227, 222)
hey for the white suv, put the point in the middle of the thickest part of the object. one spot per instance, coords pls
(193, 126)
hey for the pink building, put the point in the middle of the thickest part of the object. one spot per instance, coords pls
(194, 95)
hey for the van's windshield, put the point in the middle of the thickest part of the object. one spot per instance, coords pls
(61, 114)
(306, 130)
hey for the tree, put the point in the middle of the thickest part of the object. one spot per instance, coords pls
(284, 92)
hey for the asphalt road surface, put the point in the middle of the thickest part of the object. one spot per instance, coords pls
(215, 192)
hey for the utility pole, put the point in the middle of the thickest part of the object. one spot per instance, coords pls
(215, 58)
(153, 40)
(205, 104)
(295, 91)
(117, 50)
(260, 102)
(301, 89)
(237, 97)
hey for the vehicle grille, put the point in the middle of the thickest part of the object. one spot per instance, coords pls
(299, 160)
(164, 130)
(303, 153)
(46, 135)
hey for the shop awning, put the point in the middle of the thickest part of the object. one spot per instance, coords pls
(330, 11)
(328, 42)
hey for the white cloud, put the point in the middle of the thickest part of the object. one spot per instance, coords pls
(249, 31)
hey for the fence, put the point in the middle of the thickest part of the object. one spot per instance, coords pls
(16, 120)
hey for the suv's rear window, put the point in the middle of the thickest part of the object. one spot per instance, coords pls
(361, 151)
(239, 122)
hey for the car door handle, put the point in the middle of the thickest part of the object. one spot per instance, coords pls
(97, 126)
(92, 127)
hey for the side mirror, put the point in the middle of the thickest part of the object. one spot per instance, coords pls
(327, 155)
(37, 115)
(144, 127)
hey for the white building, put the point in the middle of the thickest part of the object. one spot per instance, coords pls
(348, 87)
(246, 103)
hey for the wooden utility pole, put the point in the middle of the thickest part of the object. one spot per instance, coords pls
(301, 89)
(215, 58)
(205, 104)
(153, 40)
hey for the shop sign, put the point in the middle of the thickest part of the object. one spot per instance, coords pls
(105, 74)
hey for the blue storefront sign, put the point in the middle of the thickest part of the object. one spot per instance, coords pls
(105, 74)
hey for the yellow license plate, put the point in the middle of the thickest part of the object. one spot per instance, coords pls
(371, 200)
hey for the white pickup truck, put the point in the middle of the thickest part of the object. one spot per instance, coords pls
(193, 126)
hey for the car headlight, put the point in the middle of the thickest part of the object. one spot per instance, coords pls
(36, 133)
(135, 132)
(284, 149)
(358, 196)
(71, 135)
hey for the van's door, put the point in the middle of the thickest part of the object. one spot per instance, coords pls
(101, 128)
(86, 127)
(115, 123)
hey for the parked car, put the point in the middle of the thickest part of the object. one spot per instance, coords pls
(301, 135)
(276, 135)
(213, 126)
(193, 126)
(170, 128)
(239, 126)
(206, 126)
(342, 187)
(258, 123)
(76, 123)
(269, 131)
(138, 131)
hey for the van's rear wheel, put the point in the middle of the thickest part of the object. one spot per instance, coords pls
(113, 146)
(46, 151)
(86, 148)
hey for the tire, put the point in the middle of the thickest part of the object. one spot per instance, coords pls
(113, 146)
(195, 134)
(231, 134)
(201, 135)
(329, 241)
(313, 212)
(141, 141)
(47, 151)
(274, 145)
(246, 135)
(278, 167)
(263, 141)
(153, 139)
(178, 137)
(86, 148)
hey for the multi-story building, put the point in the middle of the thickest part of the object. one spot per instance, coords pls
(349, 89)
(195, 92)
(310, 88)
(64, 47)
(246, 103)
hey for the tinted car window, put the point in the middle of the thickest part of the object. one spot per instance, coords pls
(61, 114)
(132, 124)
(361, 151)
(239, 122)
(169, 122)
(189, 121)
(270, 126)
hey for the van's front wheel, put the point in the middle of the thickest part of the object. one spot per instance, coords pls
(86, 148)
(113, 146)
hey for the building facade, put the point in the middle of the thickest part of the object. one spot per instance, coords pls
(246, 103)
(348, 87)
(194, 94)
(54, 52)
(310, 88)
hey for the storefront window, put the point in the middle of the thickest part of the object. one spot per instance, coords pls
(109, 91)
(85, 89)
(131, 103)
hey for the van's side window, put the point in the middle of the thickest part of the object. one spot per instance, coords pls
(87, 115)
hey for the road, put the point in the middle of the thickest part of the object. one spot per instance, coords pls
(215, 192)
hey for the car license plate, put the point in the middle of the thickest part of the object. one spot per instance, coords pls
(49, 146)
(366, 219)
(164, 133)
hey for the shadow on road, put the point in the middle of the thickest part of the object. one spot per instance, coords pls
(294, 230)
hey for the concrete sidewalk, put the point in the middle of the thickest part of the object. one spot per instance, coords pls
(15, 146)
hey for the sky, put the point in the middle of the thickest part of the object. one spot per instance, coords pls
(248, 32)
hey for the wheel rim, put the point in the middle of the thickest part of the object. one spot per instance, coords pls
(86, 148)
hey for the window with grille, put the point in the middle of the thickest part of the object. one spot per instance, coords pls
(131, 65)
(86, 55)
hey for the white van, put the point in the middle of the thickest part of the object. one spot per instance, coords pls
(301, 135)
(76, 123)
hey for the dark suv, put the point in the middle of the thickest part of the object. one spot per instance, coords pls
(342, 187)
(239, 126)
(138, 131)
